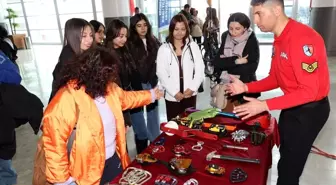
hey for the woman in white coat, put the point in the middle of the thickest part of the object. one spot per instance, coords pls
(180, 68)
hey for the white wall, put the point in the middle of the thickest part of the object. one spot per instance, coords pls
(116, 8)
(3, 12)
(229, 7)
(323, 3)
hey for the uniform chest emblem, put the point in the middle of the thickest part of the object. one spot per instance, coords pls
(308, 50)
(309, 67)
(284, 55)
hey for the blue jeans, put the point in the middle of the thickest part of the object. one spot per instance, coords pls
(152, 130)
(8, 175)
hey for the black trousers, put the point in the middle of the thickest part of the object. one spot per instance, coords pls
(298, 128)
(111, 170)
(175, 108)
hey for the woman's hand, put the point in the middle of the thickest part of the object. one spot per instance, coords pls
(179, 96)
(158, 93)
(242, 60)
(235, 87)
(188, 93)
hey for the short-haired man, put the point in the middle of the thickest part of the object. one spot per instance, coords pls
(299, 67)
(187, 14)
(136, 10)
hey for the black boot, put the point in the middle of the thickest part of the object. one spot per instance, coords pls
(141, 145)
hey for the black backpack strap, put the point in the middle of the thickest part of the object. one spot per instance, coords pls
(192, 58)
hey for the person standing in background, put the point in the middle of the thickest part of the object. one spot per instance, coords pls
(180, 68)
(238, 55)
(136, 10)
(7, 46)
(78, 37)
(143, 47)
(186, 13)
(196, 27)
(99, 29)
(116, 38)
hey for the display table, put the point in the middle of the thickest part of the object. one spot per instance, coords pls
(257, 173)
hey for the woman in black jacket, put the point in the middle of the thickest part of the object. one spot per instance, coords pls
(239, 53)
(78, 37)
(144, 47)
(116, 38)
(99, 29)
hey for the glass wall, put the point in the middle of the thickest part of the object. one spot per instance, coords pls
(150, 9)
(269, 37)
(297, 9)
(46, 18)
(42, 21)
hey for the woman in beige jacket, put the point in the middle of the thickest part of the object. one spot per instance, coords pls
(196, 28)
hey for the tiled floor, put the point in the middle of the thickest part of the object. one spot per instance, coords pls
(36, 68)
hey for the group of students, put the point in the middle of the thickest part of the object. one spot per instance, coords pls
(100, 88)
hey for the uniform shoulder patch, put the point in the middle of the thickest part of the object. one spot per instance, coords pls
(310, 68)
(308, 50)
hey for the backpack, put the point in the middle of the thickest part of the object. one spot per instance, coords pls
(9, 72)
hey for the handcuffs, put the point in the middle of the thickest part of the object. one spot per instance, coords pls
(198, 147)
(191, 182)
(165, 180)
(134, 176)
(158, 149)
(179, 150)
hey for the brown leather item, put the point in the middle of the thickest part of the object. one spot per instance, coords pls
(230, 105)
(218, 97)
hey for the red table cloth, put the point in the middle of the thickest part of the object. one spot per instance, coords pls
(257, 173)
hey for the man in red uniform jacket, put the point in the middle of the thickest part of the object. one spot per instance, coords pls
(299, 67)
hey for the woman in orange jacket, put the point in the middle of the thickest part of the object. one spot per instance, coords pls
(90, 102)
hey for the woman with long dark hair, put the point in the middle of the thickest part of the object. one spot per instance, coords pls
(180, 68)
(78, 37)
(116, 38)
(143, 47)
(210, 32)
(89, 100)
(238, 54)
(99, 29)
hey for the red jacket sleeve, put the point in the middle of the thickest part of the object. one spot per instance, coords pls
(265, 84)
(305, 57)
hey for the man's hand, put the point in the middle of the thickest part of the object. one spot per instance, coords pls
(251, 108)
(158, 93)
(242, 60)
(235, 87)
(188, 93)
(179, 96)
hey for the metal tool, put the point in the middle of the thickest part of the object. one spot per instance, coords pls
(240, 159)
(235, 147)
(198, 147)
